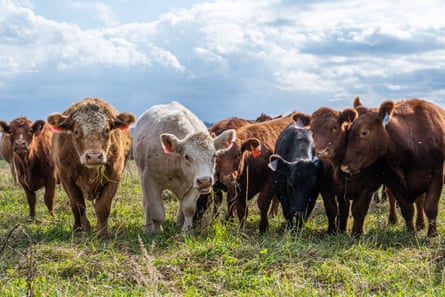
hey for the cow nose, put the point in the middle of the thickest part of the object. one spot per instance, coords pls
(204, 182)
(94, 157)
(20, 144)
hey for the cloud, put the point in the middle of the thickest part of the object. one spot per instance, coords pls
(248, 56)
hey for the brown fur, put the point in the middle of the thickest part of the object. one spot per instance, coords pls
(409, 137)
(245, 174)
(80, 182)
(32, 160)
(7, 155)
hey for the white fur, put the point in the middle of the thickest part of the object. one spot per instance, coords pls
(160, 170)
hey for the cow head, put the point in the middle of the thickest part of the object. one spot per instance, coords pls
(329, 128)
(197, 153)
(303, 182)
(91, 126)
(22, 132)
(368, 139)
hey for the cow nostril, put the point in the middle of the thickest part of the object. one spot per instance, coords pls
(204, 181)
(94, 157)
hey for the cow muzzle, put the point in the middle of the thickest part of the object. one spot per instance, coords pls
(204, 184)
(92, 159)
(20, 147)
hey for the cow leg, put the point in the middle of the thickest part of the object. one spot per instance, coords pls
(188, 209)
(392, 218)
(344, 205)
(241, 209)
(102, 207)
(331, 209)
(359, 210)
(407, 210)
(231, 202)
(78, 207)
(264, 200)
(431, 203)
(31, 197)
(50, 189)
(420, 219)
(279, 186)
(153, 205)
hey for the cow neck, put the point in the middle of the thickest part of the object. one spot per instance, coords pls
(22, 165)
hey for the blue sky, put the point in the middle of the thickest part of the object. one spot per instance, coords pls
(219, 58)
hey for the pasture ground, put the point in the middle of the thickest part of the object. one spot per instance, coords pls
(43, 257)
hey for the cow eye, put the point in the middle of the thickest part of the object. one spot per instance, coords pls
(30, 131)
(188, 158)
(334, 130)
(364, 133)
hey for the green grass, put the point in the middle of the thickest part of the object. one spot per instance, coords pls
(43, 257)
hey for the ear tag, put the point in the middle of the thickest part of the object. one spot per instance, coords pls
(124, 128)
(56, 129)
(256, 152)
(386, 119)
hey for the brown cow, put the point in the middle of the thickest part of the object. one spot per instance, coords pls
(218, 187)
(243, 168)
(7, 155)
(330, 128)
(32, 160)
(91, 148)
(409, 137)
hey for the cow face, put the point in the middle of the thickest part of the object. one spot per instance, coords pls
(302, 190)
(197, 155)
(91, 127)
(22, 131)
(329, 129)
(367, 140)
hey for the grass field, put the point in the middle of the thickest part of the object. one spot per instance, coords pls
(43, 257)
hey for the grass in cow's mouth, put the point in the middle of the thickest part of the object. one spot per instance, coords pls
(46, 258)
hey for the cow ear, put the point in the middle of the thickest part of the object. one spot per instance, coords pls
(170, 143)
(4, 127)
(124, 120)
(347, 116)
(37, 127)
(301, 119)
(253, 145)
(59, 123)
(385, 111)
(357, 103)
(224, 141)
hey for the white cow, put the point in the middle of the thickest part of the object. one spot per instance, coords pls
(174, 150)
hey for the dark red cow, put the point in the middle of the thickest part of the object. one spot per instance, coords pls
(243, 168)
(32, 159)
(330, 128)
(409, 137)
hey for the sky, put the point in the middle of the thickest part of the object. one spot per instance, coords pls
(219, 58)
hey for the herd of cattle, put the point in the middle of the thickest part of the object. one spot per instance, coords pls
(343, 156)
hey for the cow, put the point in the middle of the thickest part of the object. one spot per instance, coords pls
(218, 187)
(297, 174)
(174, 150)
(7, 155)
(409, 137)
(32, 159)
(244, 170)
(91, 145)
(330, 128)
